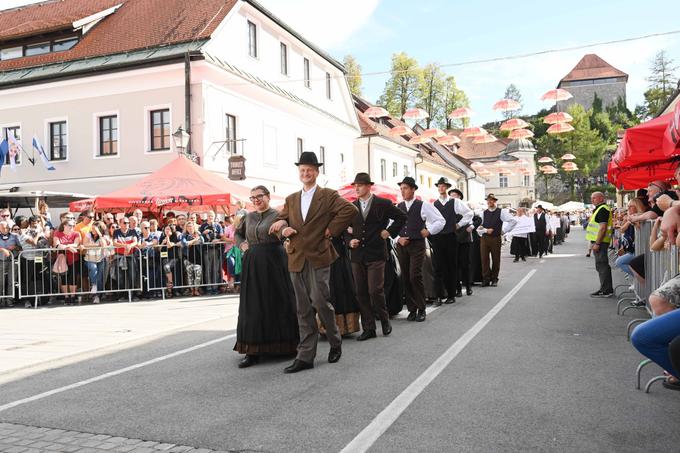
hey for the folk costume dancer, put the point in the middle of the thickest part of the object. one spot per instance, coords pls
(465, 241)
(490, 242)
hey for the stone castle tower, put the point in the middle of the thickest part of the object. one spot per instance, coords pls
(592, 75)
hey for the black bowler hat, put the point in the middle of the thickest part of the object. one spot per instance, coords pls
(539, 207)
(363, 178)
(444, 181)
(491, 197)
(308, 158)
(460, 194)
(409, 182)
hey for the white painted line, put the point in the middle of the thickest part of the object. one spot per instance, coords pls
(101, 377)
(367, 437)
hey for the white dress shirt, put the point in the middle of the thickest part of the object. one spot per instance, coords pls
(365, 204)
(306, 201)
(434, 221)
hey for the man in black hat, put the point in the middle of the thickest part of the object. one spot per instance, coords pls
(542, 231)
(368, 253)
(490, 242)
(464, 237)
(445, 243)
(422, 221)
(308, 220)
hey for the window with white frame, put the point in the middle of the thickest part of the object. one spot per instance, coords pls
(230, 133)
(284, 59)
(405, 170)
(308, 82)
(300, 146)
(395, 169)
(159, 121)
(13, 131)
(342, 158)
(58, 141)
(108, 135)
(252, 39)
(383, 169)
(322, 159)
(527, 180)
(502, 180)
(328, 86)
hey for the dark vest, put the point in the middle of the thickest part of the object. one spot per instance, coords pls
(493, 220)
(539, 222)
(372, 246)
(448, 211)
(414, 221)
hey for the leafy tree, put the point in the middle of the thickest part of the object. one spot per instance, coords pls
(597, 103)
(662, 81)
(512, 92)
(431, 92)
(401, 90)
(453, 98)
(353, 76)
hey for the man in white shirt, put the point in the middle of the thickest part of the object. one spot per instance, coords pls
(490, 242)
(423, 219)
(445, 243)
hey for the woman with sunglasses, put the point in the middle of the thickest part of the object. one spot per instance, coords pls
(66, 239)
(267, 320)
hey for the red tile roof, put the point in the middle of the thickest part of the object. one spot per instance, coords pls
(592, 67)
(138, 24)
(469, 150)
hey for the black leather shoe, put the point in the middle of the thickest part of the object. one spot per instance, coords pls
(335, 353)
(386, 327)
(450, 300)
(468, 291)
(411, 316)
(366, 334)
(524, 258)
(494, 283)
(459, 293)
(248, 360)
(298, 365)
(420, 317)
(437, 302)
(485, 284)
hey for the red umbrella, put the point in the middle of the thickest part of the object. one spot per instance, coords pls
(415, 114)
(463, 112)
(568, 156)
(544, 159)
(520, 133)
(558, 117)
(448, 140)
(514, 123)
(560, 128)
(433, 133)
(396, 131)
(558, 94)
(488, 138)
(506, 105)
(376, 112)
(473, 132)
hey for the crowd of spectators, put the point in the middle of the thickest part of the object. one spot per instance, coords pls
(93, 257)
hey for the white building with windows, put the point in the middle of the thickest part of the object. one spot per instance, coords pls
(103, 84)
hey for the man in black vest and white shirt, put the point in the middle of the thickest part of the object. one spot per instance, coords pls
(422, 221)
(368, 253)
(464, 236)
(445, 243)
(542, 230)
(490, 242)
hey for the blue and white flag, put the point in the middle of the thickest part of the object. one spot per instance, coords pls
(4, 149)
(41, 151)
(14, 151)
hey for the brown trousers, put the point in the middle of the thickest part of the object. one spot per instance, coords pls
(411, 260)
(490, 245)
(369, 281)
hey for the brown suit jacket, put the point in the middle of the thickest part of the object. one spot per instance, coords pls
(328, 210)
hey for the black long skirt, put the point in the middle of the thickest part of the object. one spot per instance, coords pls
(267, 314)
(393, 282)
(343, 297)
(519, 246)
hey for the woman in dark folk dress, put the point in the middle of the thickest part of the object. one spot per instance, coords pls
(267, 320)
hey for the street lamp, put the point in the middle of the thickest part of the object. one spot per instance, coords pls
(181, 140)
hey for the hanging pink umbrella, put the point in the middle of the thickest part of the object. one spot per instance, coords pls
(463, 112)
(415, 114)
(419, 140)
(396, 131)
(558, 94)
(376, 112)
(544, 160)
(558, 117)
(568, 156)
(560, 128)
(514, 123)
(520, 133)
(433, 132)
(506, 105)
(473, 132)
(487, 138)
(569, 165)
(448, 140)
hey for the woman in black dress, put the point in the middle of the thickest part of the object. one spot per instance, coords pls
(267, 320)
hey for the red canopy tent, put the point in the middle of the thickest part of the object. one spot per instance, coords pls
(671, 139)
(181, 184)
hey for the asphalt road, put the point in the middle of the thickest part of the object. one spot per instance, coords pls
(552, 371)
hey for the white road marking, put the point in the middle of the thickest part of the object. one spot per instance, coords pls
(367, 437)
(101, 377)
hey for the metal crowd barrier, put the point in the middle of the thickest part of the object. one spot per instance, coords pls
(172, 270)
(40, 279)
(7, 278)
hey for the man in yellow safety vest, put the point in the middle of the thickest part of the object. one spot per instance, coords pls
(599, 233)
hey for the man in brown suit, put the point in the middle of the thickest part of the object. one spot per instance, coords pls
(308, 220)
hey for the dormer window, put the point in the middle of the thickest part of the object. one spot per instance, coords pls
(37, 49)
(32, 46)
